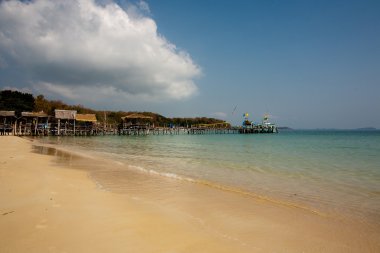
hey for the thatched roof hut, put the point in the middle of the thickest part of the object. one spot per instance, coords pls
(34, 114)
(65, 114)
(86, 117)
(7, 114)
(136, 116)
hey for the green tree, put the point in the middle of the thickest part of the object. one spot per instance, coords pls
(16, 101)
(42, 104)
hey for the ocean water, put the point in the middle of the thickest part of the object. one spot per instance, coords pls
(336, 172)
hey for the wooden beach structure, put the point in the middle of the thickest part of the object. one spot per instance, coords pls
(65, 122)
(71, 123)
(215, 128)
(135, 124)
(7, 119)
(86, 124)
(33, 123)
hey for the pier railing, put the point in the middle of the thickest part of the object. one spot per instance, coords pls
(53, 129)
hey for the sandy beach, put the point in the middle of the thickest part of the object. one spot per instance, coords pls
(46, 206)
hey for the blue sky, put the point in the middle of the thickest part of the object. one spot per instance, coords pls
(310, 64)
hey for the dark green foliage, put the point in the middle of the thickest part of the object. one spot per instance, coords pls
(112, 117)
(194, 121)
(41, 104)
(48, 106)
(16, 101)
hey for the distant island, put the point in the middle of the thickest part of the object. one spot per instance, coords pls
(347, 129)
(366, 129)
(285, 128)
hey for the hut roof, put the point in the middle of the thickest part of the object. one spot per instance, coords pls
(65, 114)
(136, 116)
(7, 113)
(34, 114)
(86, 117)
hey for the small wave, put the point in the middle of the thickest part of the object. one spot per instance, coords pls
(236, 190)
(227, 189)
(259, 197)
(119, 163)
(215, 185)
(163, 174)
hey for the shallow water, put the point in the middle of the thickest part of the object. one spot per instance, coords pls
(334, 172)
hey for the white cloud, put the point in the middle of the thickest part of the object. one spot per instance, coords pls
(84, 50)
(144, 6)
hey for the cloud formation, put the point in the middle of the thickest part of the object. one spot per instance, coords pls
(84, 50)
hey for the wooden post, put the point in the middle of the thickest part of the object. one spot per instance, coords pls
(59, 126)
(47, 126)
(35, 126)
(105, 122)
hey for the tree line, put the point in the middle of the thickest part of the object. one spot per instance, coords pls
(24, 102)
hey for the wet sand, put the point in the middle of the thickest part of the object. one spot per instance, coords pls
(64, 203)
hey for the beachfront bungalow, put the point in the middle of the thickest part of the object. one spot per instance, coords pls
(65, 122)
(33, 123)
(85, 124)
(7, 118)
(135, 123)
(136, 120)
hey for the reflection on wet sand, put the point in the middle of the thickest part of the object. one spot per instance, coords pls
(247, 220)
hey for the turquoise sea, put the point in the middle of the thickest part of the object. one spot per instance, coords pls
(330, 171)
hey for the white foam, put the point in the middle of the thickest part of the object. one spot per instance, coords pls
(119, 163)
(162, 174)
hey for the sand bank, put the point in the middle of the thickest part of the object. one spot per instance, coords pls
(45, 207)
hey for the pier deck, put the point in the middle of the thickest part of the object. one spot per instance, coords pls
(69, 129)
(30, 130)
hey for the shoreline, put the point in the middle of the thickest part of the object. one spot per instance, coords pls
(63, 154)
(44, 202)
(292, 197)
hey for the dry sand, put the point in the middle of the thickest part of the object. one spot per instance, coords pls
(49, 208)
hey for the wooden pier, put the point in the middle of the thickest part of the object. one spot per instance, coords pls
(51, 129)
(196, 130)
(69, 123)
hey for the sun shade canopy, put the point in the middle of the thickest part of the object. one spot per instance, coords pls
(136, 116)
(34, 114)
(86, 117)
(65, 114)
(7, 113)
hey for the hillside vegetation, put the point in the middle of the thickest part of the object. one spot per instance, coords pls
(19, 102)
